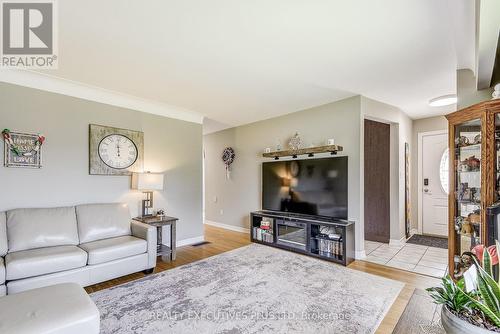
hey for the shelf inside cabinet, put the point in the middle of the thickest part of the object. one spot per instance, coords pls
(470, 146)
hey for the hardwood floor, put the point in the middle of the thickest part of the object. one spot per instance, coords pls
(221, 240)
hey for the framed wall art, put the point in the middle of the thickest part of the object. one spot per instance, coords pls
(22, 150)
(115, 151)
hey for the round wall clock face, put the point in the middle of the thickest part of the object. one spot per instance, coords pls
(117, 151)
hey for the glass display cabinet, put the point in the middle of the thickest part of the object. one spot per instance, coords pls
(474, 140)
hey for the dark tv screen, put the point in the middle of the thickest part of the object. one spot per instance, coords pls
(312, 186)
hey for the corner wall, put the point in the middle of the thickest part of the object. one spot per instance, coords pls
(229, 202)
(401, 133)
(467, 92)
(171, 146)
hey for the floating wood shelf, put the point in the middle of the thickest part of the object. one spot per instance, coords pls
(333, 149)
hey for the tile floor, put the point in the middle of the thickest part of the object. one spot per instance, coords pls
(420, 259)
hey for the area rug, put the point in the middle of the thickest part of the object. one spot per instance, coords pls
(429, 241)
(253, 289)
(421, 316)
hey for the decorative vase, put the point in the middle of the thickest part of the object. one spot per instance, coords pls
(454, 325)
(295, 142)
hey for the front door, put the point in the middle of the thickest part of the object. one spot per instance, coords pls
(435, 184)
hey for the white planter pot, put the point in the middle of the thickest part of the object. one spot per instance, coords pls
(454, 325)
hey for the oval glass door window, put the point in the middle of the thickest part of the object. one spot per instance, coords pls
(444, 170)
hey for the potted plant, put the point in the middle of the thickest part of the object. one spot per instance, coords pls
(471, 304)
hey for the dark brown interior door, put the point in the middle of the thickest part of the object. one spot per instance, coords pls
(377, 181)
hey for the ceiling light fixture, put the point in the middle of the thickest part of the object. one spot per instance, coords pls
(444, 100)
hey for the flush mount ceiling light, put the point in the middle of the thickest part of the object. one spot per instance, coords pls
(444, 100)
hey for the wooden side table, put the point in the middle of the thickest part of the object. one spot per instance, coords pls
(159, 221)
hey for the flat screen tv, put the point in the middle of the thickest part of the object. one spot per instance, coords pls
(311, 187)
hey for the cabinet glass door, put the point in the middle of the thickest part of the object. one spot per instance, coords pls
(468, 225)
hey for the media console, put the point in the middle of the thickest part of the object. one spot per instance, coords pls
(329, 239)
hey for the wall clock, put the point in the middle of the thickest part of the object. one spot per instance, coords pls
(114, 151)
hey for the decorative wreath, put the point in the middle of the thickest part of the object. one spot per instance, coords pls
(228, 158)
(15, 149)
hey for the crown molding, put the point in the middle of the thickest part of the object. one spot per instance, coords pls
(80, 90)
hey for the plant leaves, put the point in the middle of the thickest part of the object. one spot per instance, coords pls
(487, 262)
(489, 313)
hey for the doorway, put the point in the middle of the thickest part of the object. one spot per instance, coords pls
(433, 183)
(377, 147)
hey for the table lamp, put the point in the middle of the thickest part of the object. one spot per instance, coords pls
(147, 182)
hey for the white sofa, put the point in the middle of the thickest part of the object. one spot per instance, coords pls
(86, 244)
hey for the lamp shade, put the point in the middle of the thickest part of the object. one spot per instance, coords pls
(147, 181)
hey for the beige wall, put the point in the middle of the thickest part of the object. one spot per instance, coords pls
(401, 133)
(467, 92)
(171, 146)
(230, 201)
(430, 124)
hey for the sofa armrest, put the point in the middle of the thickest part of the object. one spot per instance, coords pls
(148, 233)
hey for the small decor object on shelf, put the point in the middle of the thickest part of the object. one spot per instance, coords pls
(160, 213)
(114, 151)
(22, 149)
(295, 142)
(462, 141)
(265, 224)
(330, 141)
(267, 150)
(496, 92)
(473, 163)
(228, 156)
(278, 145)
(264, 232)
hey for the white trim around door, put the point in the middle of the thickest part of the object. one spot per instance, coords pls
(421, 135)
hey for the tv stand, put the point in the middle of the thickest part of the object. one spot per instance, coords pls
(326, 238)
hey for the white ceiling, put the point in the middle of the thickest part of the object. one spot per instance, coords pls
(238, 61)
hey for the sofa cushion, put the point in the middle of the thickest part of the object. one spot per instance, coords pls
(102, 221)
(40, 261)
(3, 234)
(36, 228)
(106, 250)
(2, 271)
(56, 309)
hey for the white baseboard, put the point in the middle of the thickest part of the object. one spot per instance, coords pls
(360, 255)
(397, 242)
(190, 241)
(413, 231)
(228, 227)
